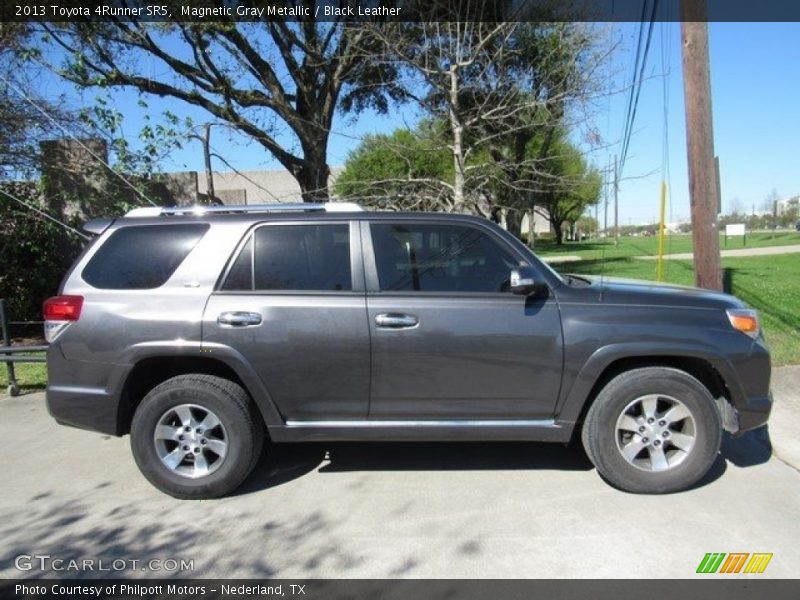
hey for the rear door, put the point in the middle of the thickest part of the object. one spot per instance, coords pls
(292, 303)
(449, 339)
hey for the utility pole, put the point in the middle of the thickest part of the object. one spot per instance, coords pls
(616, 202)
(703, 187)
(605, 203)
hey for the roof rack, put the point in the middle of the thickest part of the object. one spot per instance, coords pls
(157, 211)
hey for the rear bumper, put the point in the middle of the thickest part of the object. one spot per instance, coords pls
(79, 392)
(82, 407)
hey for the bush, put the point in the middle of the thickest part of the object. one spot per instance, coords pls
(34, 255)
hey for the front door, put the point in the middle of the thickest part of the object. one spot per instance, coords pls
(292, 303)
(449, 339)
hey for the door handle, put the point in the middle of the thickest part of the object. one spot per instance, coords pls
(396, 321)
(238, 318)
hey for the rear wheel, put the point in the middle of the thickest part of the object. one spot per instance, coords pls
(196, 436)
(653, 430)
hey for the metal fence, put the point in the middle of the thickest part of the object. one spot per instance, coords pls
(16, 354)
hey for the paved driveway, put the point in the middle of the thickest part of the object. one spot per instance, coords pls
(426, 510)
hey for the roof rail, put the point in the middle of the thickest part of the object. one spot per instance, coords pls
(156, 211)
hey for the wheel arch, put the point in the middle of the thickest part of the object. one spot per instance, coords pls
(154, 368)
(710, 369)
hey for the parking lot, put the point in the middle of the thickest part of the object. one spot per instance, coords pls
(395, 510)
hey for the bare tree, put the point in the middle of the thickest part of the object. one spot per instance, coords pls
(21, 124)
(279, 83)
(503, 89)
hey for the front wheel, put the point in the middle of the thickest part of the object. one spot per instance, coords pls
(196, 436)
(653, 430)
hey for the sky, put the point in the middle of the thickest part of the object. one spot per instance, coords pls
(755, 88)
(755, 80)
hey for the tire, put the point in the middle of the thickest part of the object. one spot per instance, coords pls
(170, 420)
(669, 454)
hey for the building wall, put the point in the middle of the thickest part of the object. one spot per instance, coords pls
(257, 187)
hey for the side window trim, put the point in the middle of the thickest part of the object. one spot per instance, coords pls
(371, 268)
(356, 266)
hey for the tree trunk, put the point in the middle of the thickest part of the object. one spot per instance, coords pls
(514, 222)
(313, 173)
(458, 144)
(559, 231)
(211, 195)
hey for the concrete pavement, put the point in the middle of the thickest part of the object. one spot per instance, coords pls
(395, 510)
(764, 251)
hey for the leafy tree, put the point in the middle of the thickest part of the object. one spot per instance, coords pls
(402, 170)
(280, 83)
(569, 187)
(34, 251)
(412, 170)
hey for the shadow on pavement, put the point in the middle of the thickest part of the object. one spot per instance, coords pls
(461, 456)
(285, 462)
(750, 449)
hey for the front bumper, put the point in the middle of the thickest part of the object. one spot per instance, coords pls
(753, 413)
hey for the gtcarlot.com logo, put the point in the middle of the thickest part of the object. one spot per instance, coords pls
(734, 562)
(46, 562)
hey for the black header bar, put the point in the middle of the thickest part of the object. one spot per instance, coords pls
(207, 11)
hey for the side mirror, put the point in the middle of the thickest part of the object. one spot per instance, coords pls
(523, 281)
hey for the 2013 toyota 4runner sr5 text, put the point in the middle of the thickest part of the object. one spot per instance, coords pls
(203, 332)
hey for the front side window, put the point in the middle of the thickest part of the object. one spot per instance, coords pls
(141, 257)
(293, 258)
(425, 257)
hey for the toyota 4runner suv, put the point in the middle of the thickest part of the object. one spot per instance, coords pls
(204, 331)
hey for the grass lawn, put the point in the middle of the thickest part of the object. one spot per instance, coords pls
(770, 284)
(648, 246)
(30, 376)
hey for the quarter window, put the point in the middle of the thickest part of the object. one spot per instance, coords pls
(141, 257)
(294, 258)
(439, 258)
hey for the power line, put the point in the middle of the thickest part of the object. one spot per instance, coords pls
(27, 97)
(638, 77)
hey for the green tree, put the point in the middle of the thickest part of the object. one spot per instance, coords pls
(413, 170)
(405, 170)
(34, 251)
(569, 187)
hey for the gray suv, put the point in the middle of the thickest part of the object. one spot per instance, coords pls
(204, 331)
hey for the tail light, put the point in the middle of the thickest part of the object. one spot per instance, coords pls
(63, 308)
(59, 312)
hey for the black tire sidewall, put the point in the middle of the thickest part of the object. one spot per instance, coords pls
(619, 393)
(238, 459)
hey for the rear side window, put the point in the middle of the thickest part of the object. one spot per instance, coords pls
(294, 258)
(142, 257)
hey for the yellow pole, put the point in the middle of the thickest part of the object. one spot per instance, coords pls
(661, 232)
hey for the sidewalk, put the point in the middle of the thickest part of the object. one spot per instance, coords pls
(766, 251)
